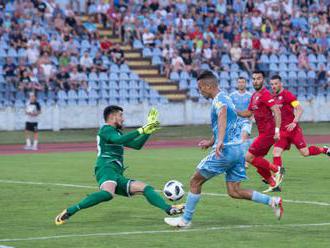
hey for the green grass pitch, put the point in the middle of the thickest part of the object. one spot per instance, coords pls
(28, 210)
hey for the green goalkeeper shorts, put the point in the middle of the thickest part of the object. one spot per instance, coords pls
(113, 172)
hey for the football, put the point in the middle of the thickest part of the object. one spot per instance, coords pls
(173, 190)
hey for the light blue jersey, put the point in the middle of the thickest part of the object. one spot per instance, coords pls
(233, 131)
(241, 102)
(231, 161)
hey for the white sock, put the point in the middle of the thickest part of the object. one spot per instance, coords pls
(28, 142)
(35, 143)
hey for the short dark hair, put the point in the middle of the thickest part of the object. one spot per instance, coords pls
(274, 77)
(259, 72)
(242, 78)
(110, 110)
(206, 75)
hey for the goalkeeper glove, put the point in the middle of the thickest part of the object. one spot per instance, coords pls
(149, 128)
(153, 115)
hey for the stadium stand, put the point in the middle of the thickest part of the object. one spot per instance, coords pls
(69, 56)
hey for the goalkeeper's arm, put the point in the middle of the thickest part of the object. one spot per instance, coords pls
(138, 142)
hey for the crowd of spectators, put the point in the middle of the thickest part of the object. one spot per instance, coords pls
(193, 32)
(53, 49)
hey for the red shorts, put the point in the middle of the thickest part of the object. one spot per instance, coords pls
(295, 137)
(261, 145)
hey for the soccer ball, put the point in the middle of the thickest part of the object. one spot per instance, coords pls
(173, 190)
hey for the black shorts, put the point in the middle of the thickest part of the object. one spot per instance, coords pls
(31, 126)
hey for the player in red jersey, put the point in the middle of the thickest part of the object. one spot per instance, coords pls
(264, 109)
(290, 131)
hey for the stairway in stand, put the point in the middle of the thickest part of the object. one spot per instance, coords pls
(146, 71)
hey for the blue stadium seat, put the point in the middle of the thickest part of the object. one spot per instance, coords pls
(224, 75)
(273, 59)
(104, 85)
(123, 76)
(12, 53)
(174, 76)
(92, 97)
(93, 76)
(264, 59)
(137, 44)
(321, 58)
(156, 52)
(85, 45)
(225, 59)
(113, 84)
(293, 67)
(184, 75)
(103, 76)
(104, 94)
(113, 76)
(293, 58)
(82, 97)
(124, 68)
(234, 75)
(234, 67)
(312, 58)
(114, 68)
(72, 97)
(133, 84)
(283, 67)
(283, 59)
(183, 84)
(244, 74)
(156, 60)
(93, 85)
(224, 84)
(134, 76)
(193, 83)
(21, 52)
(283, 75)
(273, 67)
(3, 53)
(146, 52)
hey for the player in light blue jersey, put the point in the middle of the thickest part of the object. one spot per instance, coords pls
(226, 156)
(241, 99)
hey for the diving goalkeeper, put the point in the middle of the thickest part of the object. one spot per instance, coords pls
(109, 169)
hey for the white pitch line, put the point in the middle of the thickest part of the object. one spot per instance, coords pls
(94, 187)
(216, 228)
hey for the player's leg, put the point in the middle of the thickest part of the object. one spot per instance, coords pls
(154, 198)
(246, 141)
(35, 136)
(193, 198)
(300, 143)
(105, 193)
(27, 133)
(235, 191)
(106, 177)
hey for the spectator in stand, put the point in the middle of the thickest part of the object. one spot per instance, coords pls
(105, 46)
(56, 45)
(62, 79)
(148, 38)
(177, 63)
(186, 54)
(98, 63)
(303, 60)
(9, 71)
(206, 52)
(321, 79)
(247, 58)
(215, 62)
(266, 43)
(235, 53)
(117, 55)
(86, 62)
(32, 53)
(64, 60)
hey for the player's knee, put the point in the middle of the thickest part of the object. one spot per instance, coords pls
(304, 152)
(248, 158)
(106, 195)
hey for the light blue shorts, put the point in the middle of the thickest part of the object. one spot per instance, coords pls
(231, 163)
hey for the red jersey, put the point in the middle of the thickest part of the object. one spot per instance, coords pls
(260, 104)
(285, 100)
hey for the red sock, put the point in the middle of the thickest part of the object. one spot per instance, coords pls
(260, 162)
(315, 150)
(267, 176)
(277, 161)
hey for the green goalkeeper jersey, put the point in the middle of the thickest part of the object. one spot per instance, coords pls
(111, 142)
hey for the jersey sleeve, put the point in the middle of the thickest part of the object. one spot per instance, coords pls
(138, 142)
(218, 104)
(112, 136)
(268, 99)
(291, 99)
(250, 104)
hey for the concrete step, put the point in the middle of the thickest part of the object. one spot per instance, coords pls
(147, 71)
(176, 97)
(132, 55)
(167, 87)
(137, 63)
(155, 79)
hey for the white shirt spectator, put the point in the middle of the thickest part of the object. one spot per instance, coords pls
(207, 53)
(266, 43)
(148, 38)
(32, 55)
(55, 44)
(248, 41)
(102, 8)
(256, 21)
(235, 53)
(287, 6)
(177, 60)
(47, 69)
(86, 61)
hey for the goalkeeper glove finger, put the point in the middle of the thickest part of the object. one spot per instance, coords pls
(153, 115)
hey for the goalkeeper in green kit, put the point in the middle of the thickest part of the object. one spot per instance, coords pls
(109, 169)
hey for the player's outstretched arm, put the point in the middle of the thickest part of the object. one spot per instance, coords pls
(245, 113)
(115, 138)
(138, 142)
